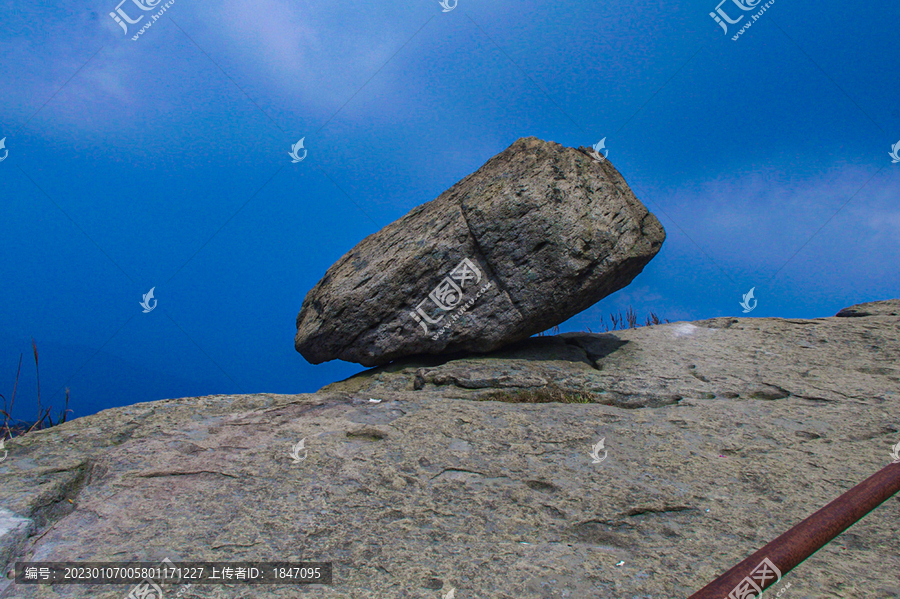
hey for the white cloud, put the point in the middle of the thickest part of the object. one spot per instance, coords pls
(757, 221)
(305, 58)
(323, 52)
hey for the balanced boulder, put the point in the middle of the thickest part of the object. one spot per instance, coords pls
(535, 236)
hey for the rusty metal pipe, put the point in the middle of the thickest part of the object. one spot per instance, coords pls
(800, 542)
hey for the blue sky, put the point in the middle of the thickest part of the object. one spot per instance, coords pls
(163, 162)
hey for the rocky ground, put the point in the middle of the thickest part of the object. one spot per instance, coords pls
(473, 473)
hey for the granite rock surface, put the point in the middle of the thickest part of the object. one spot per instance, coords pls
(535, 236)
(474, 472)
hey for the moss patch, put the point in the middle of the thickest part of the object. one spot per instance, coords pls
(540, 395)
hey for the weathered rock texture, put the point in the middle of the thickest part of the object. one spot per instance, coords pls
(721, 434)
(546, 230)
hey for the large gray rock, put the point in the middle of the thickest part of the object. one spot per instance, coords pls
(535, 236)
(721, 434)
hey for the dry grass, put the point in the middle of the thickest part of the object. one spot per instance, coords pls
(540, 395)
(9, 430)
(619, 322)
